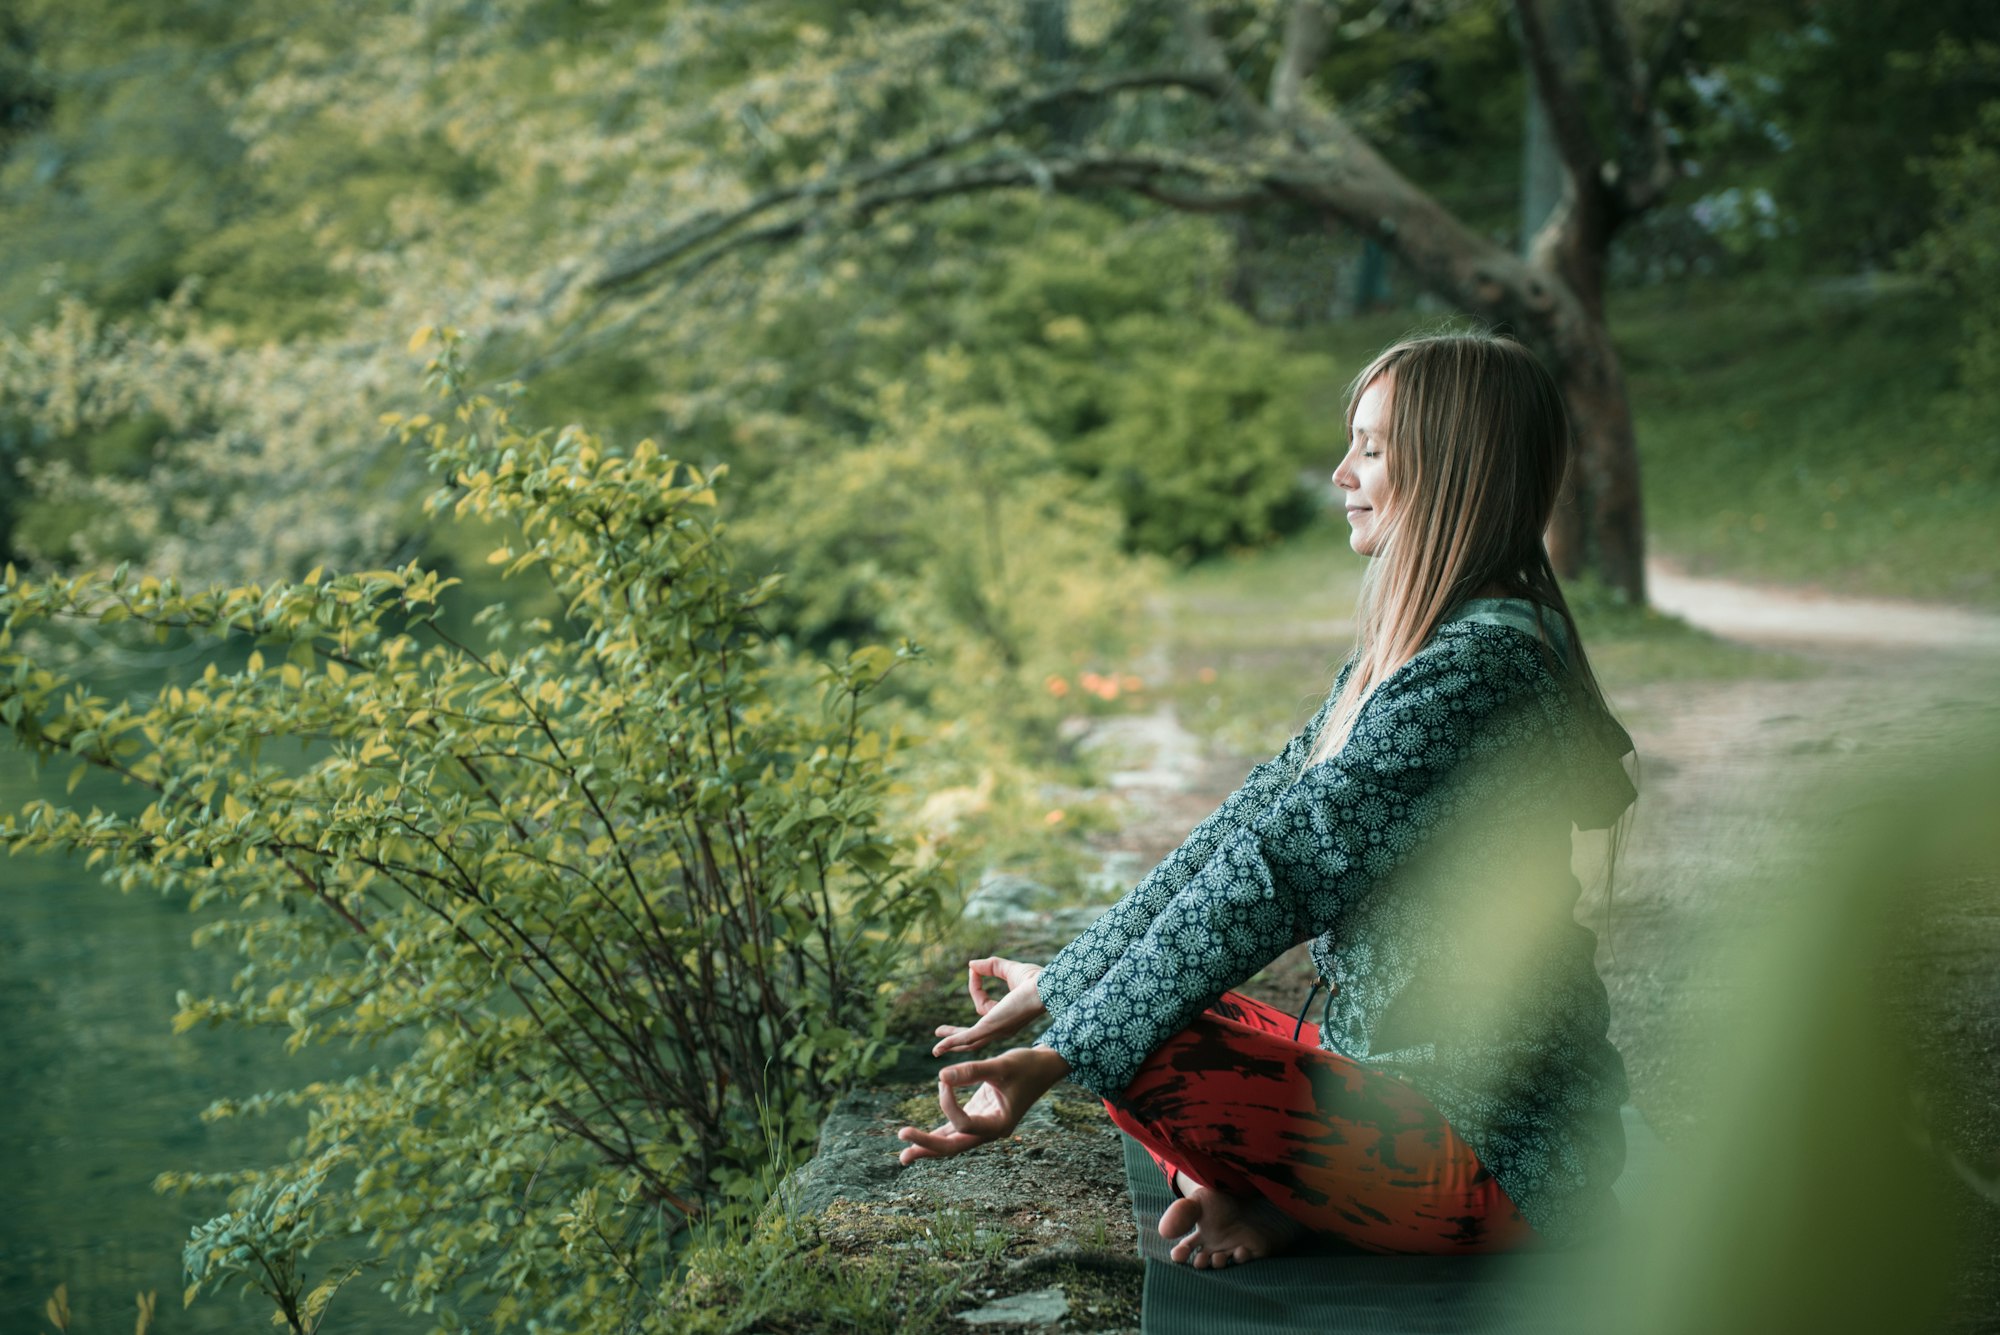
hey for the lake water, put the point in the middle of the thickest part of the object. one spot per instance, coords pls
(98, 1095)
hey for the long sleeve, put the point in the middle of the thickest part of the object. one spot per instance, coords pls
(1083, 961)
(1300, 864)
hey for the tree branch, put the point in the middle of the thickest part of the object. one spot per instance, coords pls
(1653, 175)
(1138, 171)
(690, 235)
(1211, 62)
(1312, 156)
(1194, 202)
(1615, 54)
(1561, 99)
(1304, 44)
(1670, 50)
(1645, 167)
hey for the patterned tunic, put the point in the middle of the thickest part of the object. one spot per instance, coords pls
(1429, 861)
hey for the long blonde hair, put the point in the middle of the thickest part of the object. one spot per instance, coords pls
(1479, 444)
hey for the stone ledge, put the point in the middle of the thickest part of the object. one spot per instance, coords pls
(1049, 1202)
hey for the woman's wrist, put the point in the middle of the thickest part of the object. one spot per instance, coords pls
(1049, 1062)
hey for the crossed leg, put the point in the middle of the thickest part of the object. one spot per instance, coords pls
(1267, 1138)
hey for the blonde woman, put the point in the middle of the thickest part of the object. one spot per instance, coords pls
(1460, 1093)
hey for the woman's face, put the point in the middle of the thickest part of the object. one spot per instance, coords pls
(1364, 473)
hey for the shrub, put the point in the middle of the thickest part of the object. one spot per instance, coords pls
(612, 886)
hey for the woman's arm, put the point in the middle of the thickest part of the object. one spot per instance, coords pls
(1299, 867)
(1078, 966)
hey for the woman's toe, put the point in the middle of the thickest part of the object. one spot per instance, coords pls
(1178, 1220)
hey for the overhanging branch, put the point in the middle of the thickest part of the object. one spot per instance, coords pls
(701, 229)
(1144, 172)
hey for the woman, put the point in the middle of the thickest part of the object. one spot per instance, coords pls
(1462, 1094)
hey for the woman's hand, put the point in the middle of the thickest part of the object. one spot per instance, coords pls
(999, 1017)
(1011, 1084)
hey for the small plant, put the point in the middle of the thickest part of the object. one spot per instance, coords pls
(58, 1313)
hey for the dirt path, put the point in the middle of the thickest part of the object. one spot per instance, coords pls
(1789, 617)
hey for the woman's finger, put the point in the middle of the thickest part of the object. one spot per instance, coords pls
(958, 1040)
(948, 1103)
(952, 1079)
(941, 1144)
(975, 970)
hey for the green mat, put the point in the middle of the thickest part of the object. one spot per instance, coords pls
(1337, 1292)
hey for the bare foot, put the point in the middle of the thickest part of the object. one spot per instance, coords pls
(1216, 1229)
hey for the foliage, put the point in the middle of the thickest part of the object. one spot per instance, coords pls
(496, 163)
(953, 463)
(57, 1310)
(953, 523)
(1184, 413)
(126, 163)
(1203, 455)
(1816, 118)
(612, 891)
(149, 437)
(262, 1241)
(1961, 252)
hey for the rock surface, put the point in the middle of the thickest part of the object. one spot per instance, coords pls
(1041, 1309)
(1048, 1202)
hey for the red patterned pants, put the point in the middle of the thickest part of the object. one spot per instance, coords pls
(1235, 1103)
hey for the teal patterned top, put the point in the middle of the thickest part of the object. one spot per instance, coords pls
(1428, 859)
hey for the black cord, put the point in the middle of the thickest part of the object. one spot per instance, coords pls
(1318, 983)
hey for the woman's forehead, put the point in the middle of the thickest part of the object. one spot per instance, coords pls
(1370, 410)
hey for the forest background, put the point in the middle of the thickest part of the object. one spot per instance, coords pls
(331, 336)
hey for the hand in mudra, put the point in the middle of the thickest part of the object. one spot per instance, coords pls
(1008, 1086)
(999, 1017)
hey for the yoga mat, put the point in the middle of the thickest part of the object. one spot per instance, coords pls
(1346, 1292)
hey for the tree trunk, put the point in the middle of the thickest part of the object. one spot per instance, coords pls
(1544, 181)
(1602, 528)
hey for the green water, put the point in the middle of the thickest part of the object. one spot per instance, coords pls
(98, 1095)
